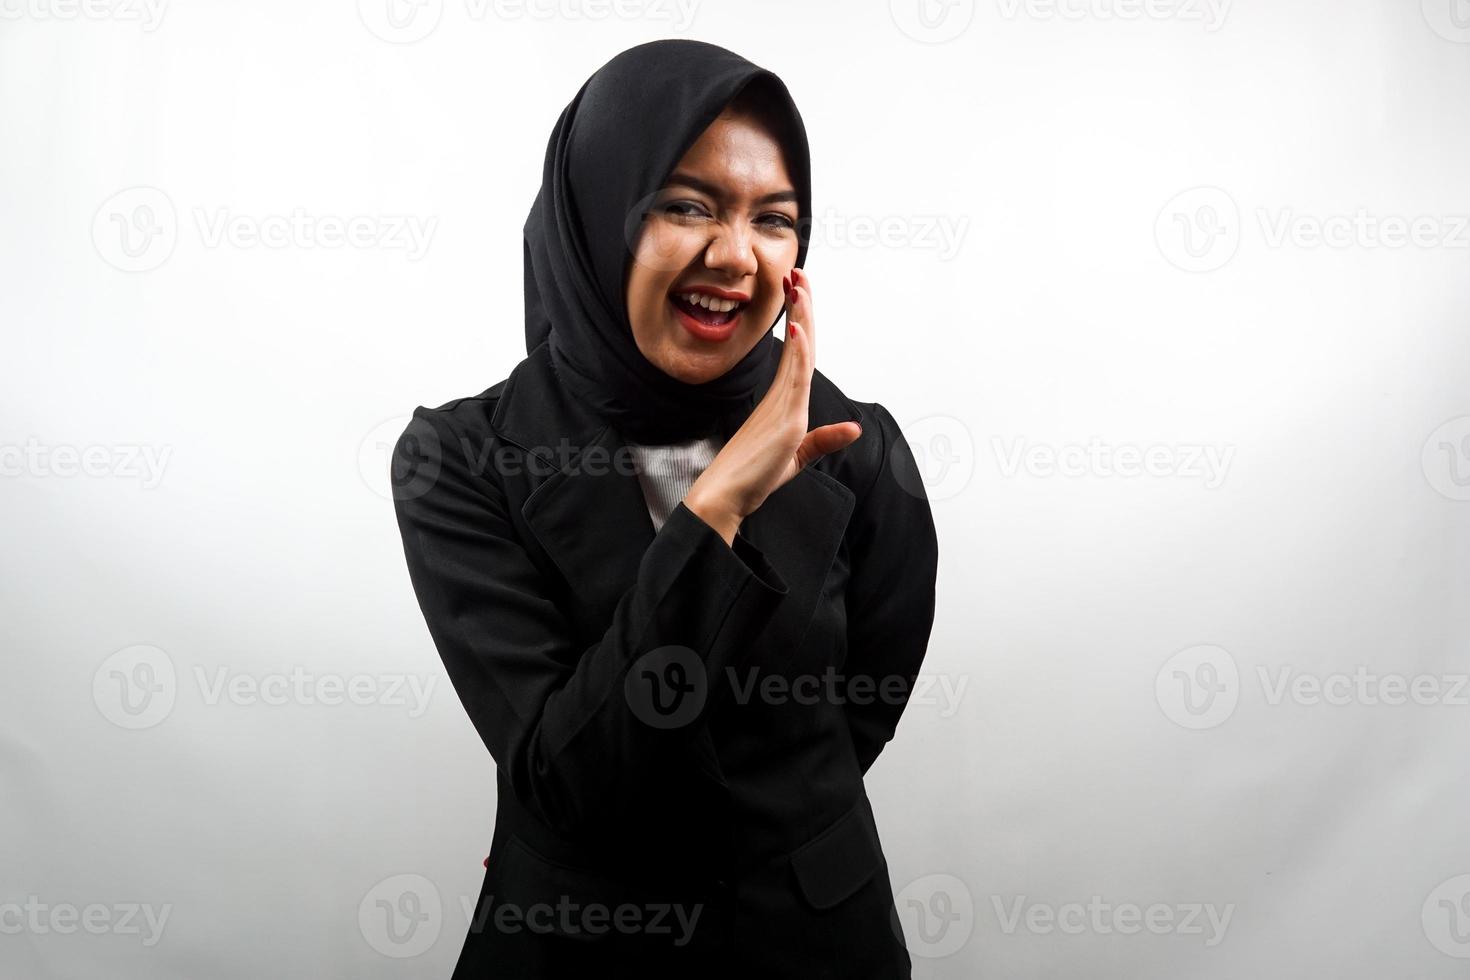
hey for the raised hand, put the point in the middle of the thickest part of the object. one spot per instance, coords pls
(773, 445)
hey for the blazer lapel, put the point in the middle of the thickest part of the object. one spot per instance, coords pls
(591, 518)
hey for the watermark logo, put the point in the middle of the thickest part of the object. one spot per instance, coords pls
(136, 687)
(1446, 458)
(1450, 19)
(940, 462)
(654, 244)
(401, 916)
(1198, 687)
(400, 21)
(136, 229)
(936, 915)
(1446, 917)
(667, 687)
(932, 21)
(400, 459)
(1198, 230)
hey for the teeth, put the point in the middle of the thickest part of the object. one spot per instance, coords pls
(710, 302)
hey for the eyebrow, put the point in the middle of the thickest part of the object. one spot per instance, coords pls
(705, 187)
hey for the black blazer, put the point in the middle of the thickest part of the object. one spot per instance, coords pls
(680, 727)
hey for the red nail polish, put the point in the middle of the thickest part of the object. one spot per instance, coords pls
(786, 285)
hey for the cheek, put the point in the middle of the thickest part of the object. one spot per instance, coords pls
(776, 256)
(664, 249)
(776, 259)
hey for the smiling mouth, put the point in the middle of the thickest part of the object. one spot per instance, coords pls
(716, 317)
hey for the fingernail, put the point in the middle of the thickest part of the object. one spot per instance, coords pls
(786, 285)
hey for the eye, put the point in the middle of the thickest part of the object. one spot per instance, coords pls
(684, 209)
(777, 220)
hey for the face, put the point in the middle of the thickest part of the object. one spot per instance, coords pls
(723, 228)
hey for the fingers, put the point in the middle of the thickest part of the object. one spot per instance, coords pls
(794, 373)
(799, 307)
(792, 383)
(826, 439)
(802, 339)
(790, 349)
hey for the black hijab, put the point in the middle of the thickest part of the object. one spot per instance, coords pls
(610, 153)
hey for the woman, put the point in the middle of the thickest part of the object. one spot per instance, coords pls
(681, 583)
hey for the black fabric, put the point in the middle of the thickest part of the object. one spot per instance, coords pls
(556, 608)
(610, 152)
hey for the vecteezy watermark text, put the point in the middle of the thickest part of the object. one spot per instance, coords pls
(138, 686)
(1201, 229)
(148, 14)
(408, 21)
(34, 458)
(137, 229)
(1200, 687)
(570, 917)
(1206, 463)
(1210, 13)
(37, 918)
(1101, 918)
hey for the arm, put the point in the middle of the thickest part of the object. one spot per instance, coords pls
(553, 714)
(890, 597)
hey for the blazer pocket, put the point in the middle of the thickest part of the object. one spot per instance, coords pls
(556, 898)
(840, 859)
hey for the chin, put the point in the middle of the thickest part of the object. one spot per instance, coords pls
(694, 369)
(696, 365)
(680, 356)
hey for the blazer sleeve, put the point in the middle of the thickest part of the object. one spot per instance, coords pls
(894, 554)
(553, 714)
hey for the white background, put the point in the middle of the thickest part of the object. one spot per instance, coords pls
(1231, 232)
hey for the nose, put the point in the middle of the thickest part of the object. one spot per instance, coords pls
(730, 252)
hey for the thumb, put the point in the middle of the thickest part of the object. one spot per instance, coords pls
(827, 439)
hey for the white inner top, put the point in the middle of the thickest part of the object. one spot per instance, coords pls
(666, 472)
